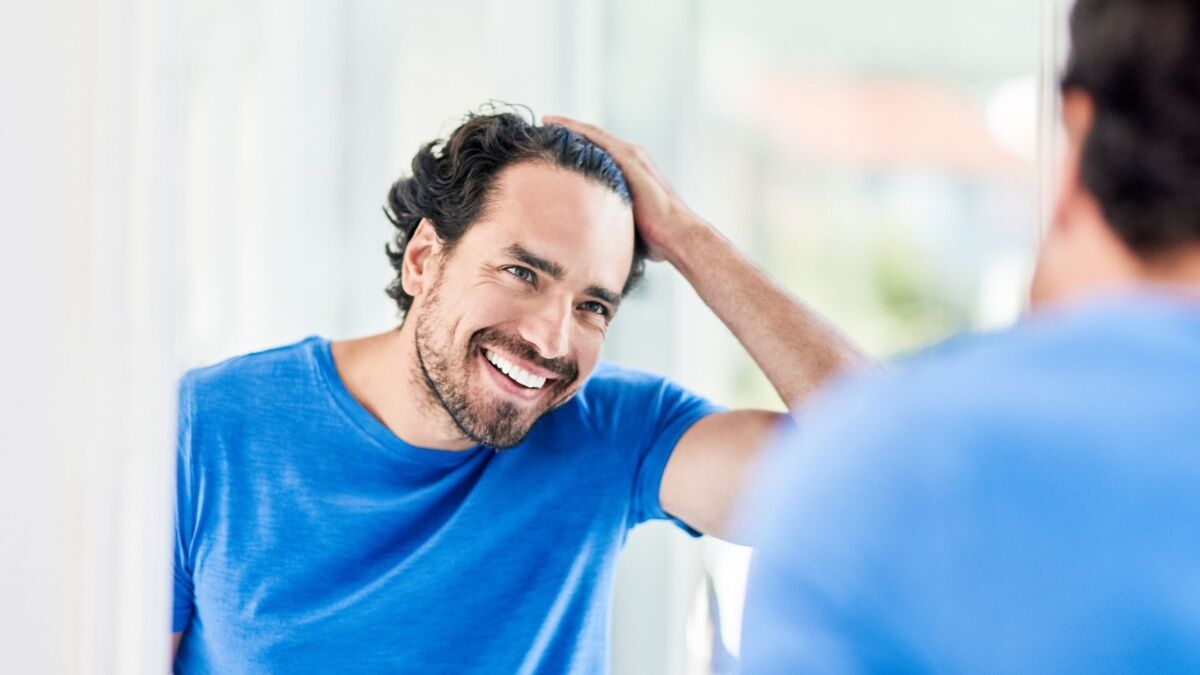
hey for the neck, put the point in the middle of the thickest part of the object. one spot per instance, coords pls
(1111, 267)
(383, 374)
(1178, 269)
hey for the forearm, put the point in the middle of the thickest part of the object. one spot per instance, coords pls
(796, 348)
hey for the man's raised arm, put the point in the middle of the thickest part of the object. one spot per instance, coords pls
(796, 349)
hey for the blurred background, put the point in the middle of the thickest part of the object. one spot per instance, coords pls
(183, 181)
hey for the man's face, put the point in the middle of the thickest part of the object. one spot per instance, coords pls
(518, 311)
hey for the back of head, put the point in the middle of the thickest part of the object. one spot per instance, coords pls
(1139, 61)
(453, 179)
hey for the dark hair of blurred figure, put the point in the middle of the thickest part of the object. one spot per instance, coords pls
(453, 178)
(1139, 62)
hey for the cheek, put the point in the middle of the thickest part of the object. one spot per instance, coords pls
(491, 307)
(587, 345)
(477, 306)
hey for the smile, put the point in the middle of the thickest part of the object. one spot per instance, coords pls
(514, 372)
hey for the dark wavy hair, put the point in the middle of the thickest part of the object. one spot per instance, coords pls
(453, 179)
(1139, 60)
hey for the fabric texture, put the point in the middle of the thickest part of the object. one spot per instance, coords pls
(309, 538)
(1023, 502)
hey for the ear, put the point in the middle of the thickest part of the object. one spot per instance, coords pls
(1073, 197)
(422, 258)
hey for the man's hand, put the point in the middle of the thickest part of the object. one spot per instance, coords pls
(661, 217)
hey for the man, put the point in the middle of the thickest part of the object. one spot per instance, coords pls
(450, 496)
(1027, 501)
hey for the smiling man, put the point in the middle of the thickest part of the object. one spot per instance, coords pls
(451, 496)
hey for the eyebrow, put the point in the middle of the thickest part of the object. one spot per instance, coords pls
(557, 272)
(604, 294)
(537, 262)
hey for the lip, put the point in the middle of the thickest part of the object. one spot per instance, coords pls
(509, 387)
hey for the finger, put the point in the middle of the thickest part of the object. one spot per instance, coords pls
(593, 133)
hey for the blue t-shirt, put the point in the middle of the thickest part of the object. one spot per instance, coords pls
(309, 538)
(1023, 502)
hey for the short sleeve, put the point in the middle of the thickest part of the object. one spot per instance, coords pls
(668, 412)
(183, 594)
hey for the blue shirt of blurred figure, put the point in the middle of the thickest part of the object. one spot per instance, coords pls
(1027, 501)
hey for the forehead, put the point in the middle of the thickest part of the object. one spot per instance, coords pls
(560, 215)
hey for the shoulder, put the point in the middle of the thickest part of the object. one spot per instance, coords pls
(973, 401)
(966, 393)
(612, 386)
(616, 397)
(611, 380)
(1044, 366)
(257, 376)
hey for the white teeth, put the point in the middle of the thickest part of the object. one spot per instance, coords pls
(515, 372)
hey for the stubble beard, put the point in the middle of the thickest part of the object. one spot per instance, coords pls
(496, 424)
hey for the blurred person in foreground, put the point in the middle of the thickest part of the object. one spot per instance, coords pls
(450, 496)
(1027, 501)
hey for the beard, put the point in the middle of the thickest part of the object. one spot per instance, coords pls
(485, 419)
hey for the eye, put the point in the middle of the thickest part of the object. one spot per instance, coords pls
(594, 307)
(523, 273)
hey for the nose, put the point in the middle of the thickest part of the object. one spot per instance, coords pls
(547, 327)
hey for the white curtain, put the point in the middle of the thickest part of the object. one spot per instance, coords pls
(88, 275)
